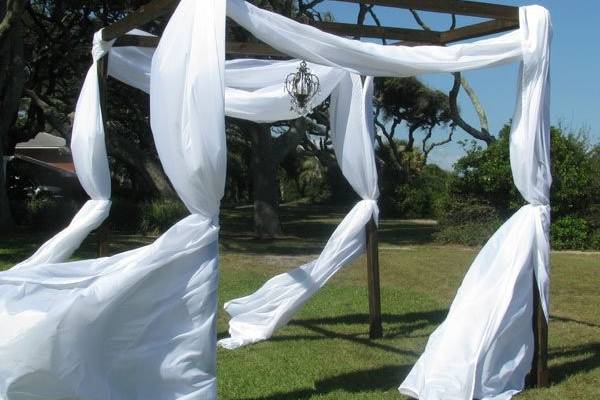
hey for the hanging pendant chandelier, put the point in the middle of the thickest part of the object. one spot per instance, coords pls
(302, 86)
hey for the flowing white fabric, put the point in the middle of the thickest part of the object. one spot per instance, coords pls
(88, 148)
(139, 325)
(491, 357)
(253, 88)
(371, 59)
(484, 348)
(257, 316)
(254, 91)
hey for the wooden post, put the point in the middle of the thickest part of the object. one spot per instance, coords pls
(102, 68)
(375, 329)
(538, 377)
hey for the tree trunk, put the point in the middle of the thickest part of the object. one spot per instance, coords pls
(12, 80)
(264, 179)
(146, 168)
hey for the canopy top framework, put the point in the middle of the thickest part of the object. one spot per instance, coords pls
(499, 18)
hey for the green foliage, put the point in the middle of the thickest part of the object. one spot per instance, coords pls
(410, 100)
(159, 215)
(570, 233)
(125, 215)
(484, 175)
(595, 240)
(420, 197)
(312, 180)
(45, 214)
(466, 221)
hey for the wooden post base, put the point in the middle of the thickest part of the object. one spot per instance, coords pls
(538, 377)
(375, 328)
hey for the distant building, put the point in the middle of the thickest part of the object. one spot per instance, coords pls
(43, 166)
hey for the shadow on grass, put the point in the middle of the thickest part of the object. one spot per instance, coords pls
(380, 379)
(565, 319)
(402, 325)
(587, 358)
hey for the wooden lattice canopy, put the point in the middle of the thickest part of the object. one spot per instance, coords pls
(500, 18)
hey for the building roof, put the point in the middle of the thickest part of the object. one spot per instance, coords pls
(43, 140)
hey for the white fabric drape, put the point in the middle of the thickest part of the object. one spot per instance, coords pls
(253, 88)
(484, 348)
(91, 165)
(257, 316)
(491, 357)
(139, 325)
(371, 59)
(254, 91)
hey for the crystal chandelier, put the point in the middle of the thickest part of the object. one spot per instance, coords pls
(302, 86)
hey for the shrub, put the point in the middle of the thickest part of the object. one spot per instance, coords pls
(468, 221)
(125, 215)
(159, 215)
(49, 214)
(569, 233)
(595, 240)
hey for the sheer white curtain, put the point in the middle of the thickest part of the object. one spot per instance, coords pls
(91, 165)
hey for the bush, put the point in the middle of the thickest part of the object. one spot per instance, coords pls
(125, 215)
(46, 214)
(595, 240)
(159, 215)
(467, 221)
(570, 233)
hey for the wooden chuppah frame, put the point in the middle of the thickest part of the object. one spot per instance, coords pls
(500, 18)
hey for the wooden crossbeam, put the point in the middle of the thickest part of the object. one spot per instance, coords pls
(505, 18)
(478, 30)
(240, 48)
(146, 13)
(459, 7)
(380, 32)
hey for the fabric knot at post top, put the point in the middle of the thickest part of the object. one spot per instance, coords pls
(100, 47)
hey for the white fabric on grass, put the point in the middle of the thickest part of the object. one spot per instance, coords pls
(484, 348)
(91, 165)
(257, 316)
(139, 325)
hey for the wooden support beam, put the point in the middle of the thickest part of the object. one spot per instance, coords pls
(459, 7)
(375, 328)
(239, 48)
(478, 30)
(253, 49)
(538, 377)
(102, 71)
(146, 13)
(136, 40)
(380, 32)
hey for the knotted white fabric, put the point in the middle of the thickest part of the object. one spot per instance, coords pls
(91, 165)
(139, 325)
(257, 316)
(484, 348)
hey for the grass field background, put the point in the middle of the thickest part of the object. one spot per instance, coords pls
(325, 352)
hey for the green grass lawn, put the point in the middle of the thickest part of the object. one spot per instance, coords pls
(325, 352)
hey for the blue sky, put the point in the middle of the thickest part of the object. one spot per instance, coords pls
(575, 68)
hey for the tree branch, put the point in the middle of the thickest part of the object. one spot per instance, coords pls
(482, 134)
